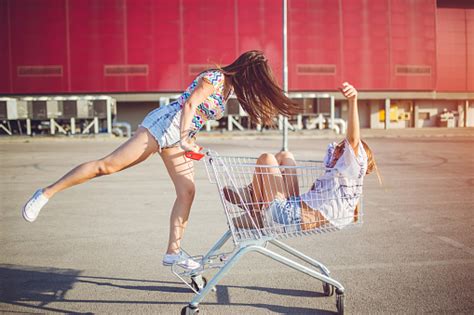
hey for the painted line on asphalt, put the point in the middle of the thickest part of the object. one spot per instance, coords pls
(456, 244)
(426, 263)
(447, 240)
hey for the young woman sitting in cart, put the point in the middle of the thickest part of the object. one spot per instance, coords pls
(273, 198)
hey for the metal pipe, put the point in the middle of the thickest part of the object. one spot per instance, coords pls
(285, 70)
(333, 112)
(124, 125)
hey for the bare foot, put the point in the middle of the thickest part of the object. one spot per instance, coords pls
(247, 221)
(242, 198)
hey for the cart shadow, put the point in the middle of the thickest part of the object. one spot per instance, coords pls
(223, 298)
(282, 291)
(38, 287)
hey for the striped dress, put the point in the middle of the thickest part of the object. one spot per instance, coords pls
(164, 122)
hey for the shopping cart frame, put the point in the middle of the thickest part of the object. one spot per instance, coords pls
(257, 242)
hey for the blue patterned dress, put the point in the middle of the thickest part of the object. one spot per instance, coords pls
(164, 122)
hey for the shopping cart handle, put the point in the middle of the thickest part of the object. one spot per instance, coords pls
(194, 155)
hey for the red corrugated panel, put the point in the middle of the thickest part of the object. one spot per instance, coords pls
(38, 40)
(208, 35)
(314, 53)
(470, 49)
(365, 43)
(96, 39)
(413, 46)
(5, 74)
(451, 42)
(259, 26)
(153, 40)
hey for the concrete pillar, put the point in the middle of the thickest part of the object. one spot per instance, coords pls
(28, 127)
(73, 125)
(52, 126)
(416, 110)
(333, 109)
(109, 116)
(96, 125)
(299, 122)
(387, 113)
(466, 112)
(230, 125)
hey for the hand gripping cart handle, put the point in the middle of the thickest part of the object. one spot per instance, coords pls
(194, 155)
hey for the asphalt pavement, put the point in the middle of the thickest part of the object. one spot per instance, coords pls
(97, 247)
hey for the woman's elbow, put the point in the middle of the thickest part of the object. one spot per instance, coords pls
(189, 106)
(353, 141)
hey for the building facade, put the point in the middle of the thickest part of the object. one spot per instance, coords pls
(412, 59)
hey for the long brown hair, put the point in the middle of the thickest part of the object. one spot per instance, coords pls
(256, 88)
(371, 164)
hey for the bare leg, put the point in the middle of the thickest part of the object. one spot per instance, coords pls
(267, 185)
(286, 158)
(247, 197)
(132, 152)
(268, 182)
(181, 171)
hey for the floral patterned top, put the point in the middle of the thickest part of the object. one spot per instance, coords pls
(213, 107)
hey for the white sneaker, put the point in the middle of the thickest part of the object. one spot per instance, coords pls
(181, 260)
(33, 207)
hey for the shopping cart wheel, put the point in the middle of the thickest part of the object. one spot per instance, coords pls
(188, 310)
(198, 282)
(328, 289)
(340, 303)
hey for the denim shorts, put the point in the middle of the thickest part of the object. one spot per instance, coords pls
(285, 212)
(164, 124)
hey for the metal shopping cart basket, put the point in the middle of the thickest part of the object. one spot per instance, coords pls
(253, 226)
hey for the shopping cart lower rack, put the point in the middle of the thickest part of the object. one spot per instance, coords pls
(253, 227)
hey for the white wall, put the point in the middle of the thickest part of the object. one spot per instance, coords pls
(375, 107)
(470, 115)
(433, 108)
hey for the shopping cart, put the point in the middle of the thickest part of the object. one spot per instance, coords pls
(253, 227)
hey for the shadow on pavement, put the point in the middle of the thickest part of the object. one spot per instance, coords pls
(36, 287)
(21, 285)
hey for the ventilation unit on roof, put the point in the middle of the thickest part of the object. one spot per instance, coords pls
(313, 69)
(412, 70)
(40, 71)
(125, 70)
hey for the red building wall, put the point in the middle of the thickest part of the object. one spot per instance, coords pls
(79, 46)
(5, 73)
(470, 49)
(452, 58)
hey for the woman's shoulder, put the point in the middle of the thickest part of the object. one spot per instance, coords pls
(212, 76)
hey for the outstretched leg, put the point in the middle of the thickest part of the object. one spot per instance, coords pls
(132, 152)
(135, 150)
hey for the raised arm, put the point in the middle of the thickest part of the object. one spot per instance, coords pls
(353, 127)
(200, 93)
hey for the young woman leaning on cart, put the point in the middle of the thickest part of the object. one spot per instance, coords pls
(274, 196)
(171, 131)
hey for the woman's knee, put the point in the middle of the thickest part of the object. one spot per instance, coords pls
(267, 159)
(186, 192)
(284, 155)
(105, 167)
